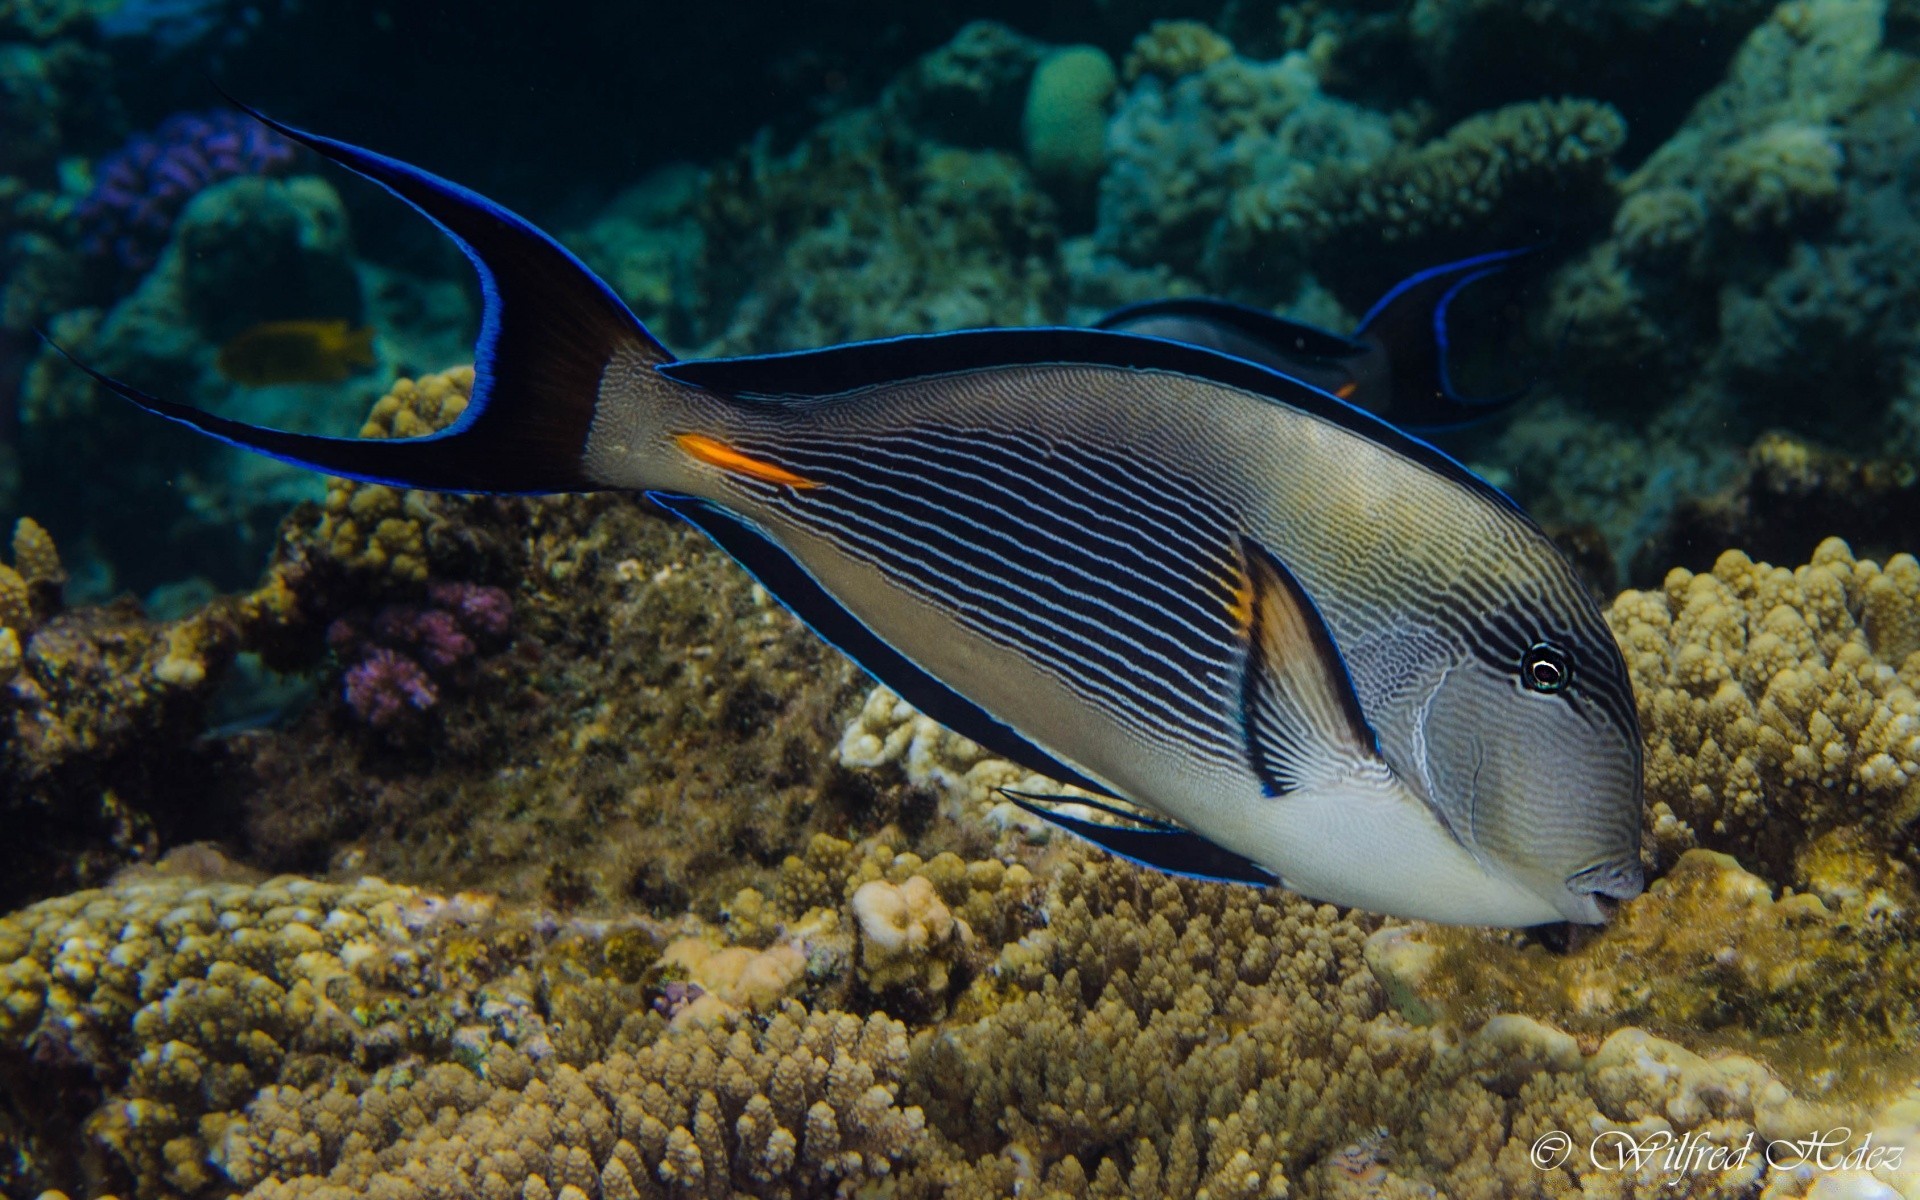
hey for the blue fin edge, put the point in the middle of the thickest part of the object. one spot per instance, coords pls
(548, 329)
(1255, 323)
(1157, 845)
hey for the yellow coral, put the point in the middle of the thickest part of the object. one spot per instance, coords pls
(34, 554)
(380, 529)
(1777, 704)
(16, 601)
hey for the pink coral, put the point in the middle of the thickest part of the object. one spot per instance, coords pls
(434, 633)
(483, 611)
(405, 651)
(385, 687)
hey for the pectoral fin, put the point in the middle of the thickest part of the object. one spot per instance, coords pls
(1151, 843)
(1304, 725)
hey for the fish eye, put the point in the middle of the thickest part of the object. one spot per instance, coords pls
(1544, 668)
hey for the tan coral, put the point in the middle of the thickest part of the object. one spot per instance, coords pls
(371, 527)
(802, 1106)
(1777, 704)
(908, 936)
(756, 980)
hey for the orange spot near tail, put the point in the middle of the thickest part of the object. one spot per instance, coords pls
(718, 454)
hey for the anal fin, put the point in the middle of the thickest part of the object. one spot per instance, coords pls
(1150, 843)
(1303, 721)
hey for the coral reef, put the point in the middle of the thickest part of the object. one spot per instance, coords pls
(140, 189)
(1511, 177)
(1711, 958)
(1778, 705)
(1185, 148)
(402, 654)
(243, 250)
(1649, 58)
(865, 230)
(99, 708)
(198, 1011)
(1782, 505)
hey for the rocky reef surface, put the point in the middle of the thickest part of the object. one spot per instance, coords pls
(497, 847)
(634, 889)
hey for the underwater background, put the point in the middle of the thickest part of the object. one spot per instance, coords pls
(362, 842)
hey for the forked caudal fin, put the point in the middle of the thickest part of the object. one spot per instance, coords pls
(549, 330)
(1411, 323)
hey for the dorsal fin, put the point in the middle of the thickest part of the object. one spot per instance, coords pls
(838, 370)
(1410, 325)
(1281, 338)
(1303, 721)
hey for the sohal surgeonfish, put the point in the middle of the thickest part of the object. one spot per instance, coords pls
(1395, 365)
(1325, 654)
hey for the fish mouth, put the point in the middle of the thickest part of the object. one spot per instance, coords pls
(1608, 885)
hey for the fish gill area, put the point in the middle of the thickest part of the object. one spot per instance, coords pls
(526, 849)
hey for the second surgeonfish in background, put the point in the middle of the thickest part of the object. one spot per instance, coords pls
(1328, 656)
(1395, 364)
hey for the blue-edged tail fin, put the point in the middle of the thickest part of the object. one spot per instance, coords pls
(549, 332)
(1410, 324)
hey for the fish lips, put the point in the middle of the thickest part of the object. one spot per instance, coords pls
(1603, 887)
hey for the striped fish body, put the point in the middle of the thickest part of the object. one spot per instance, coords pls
(1327, 654)
(1060, 544)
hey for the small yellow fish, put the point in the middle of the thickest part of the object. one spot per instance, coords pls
(300, 351)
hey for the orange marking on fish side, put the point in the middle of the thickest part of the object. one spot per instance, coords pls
(1346, 390)
(1240, 603)
(716, 453)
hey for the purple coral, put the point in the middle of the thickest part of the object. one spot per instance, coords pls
(385, 688)
(140, 189)
(482, 610)
(404, 653)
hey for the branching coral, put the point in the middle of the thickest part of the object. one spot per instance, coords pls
(1778, 705)
(802, 1106)
(239, 1034)
(1181, 148)
(1498, 178)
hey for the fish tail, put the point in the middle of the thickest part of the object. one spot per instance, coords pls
(550, 331)
(1410, 323)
